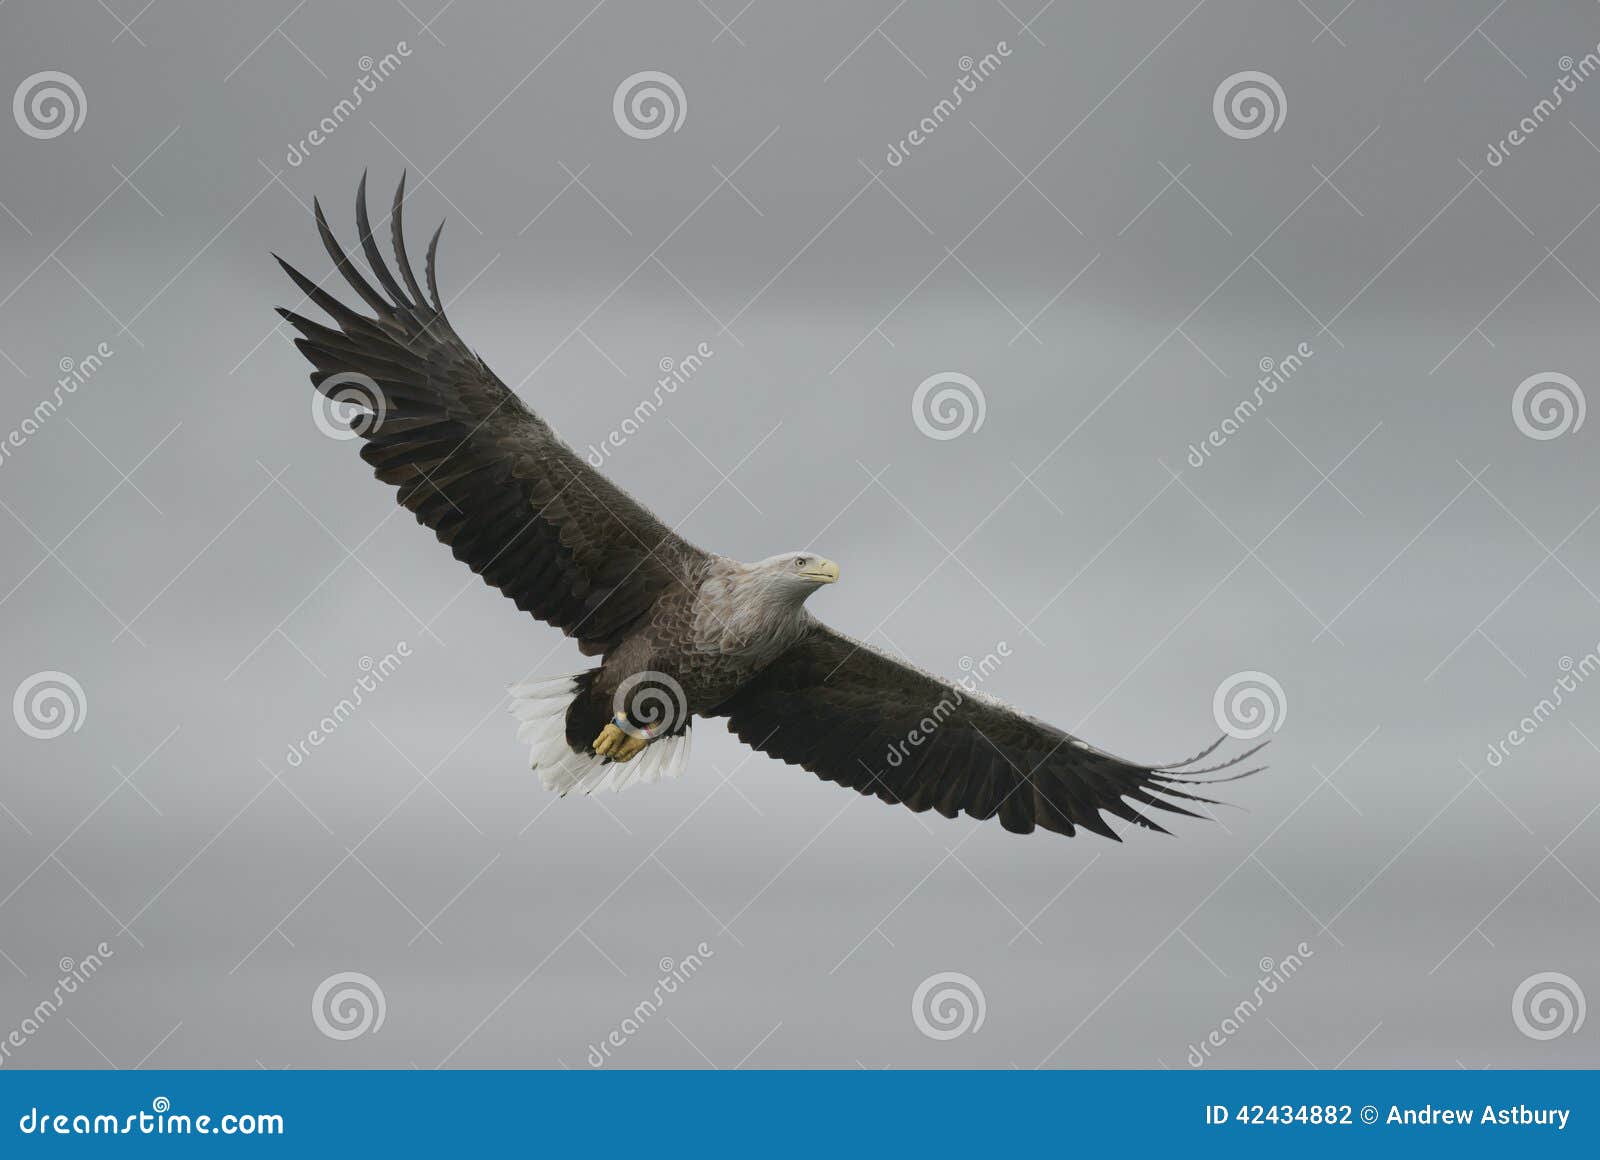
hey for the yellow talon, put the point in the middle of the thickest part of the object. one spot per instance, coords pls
(610, 739)
(617, 744)
(630, 748)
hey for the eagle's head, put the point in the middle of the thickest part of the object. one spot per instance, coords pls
(796, 575)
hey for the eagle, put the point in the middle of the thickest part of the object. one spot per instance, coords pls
(681, 633)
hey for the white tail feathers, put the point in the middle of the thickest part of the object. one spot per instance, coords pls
(541, 709)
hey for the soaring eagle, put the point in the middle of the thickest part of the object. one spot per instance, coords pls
(681, 632)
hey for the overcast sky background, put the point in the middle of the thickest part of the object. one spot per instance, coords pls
(1085, 242)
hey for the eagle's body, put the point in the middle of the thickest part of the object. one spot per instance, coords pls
(730, 622)
(682, 633)
(706, 637)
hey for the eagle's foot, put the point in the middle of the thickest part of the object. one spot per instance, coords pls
(617, 744)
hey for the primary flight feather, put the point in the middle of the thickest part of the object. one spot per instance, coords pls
(681, 632)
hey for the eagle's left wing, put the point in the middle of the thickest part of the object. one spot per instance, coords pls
(515, 503)
(855, 716)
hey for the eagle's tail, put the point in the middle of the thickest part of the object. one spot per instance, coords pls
(542, 708)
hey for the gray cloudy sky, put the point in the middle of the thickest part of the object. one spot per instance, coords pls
(202, 574)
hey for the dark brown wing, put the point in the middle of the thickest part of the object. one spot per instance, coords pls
(854, 716)
(491, 479)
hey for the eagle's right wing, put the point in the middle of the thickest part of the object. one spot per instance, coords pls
(853, 715)
(489, 476)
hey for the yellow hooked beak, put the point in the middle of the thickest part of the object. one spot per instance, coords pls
(826, 572)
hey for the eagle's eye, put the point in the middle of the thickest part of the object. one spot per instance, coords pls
(799, 561)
